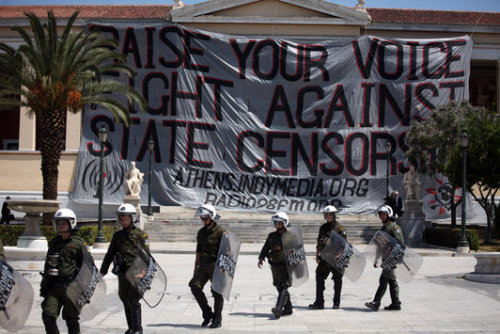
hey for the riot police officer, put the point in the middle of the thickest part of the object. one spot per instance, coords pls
(324, 269)
(208, 241)
(64, 260)
(122, 251)
(387, 277)
(273, 250)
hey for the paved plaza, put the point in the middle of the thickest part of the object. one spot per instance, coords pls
(438, 300)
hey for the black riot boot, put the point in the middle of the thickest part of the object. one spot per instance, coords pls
(288, 309)
(50, 324)
(319, 303)
(128, 315)
(202, 301)
(217, 315)
(73, 325)
(373, 305)
(394, 291)
(136, 316)
(337, 288)
(283, 297)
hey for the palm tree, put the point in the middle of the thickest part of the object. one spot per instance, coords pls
(52, 74)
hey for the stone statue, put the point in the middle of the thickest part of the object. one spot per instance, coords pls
(412, 183)
(178, 3)
(360, 5)
(134, 181)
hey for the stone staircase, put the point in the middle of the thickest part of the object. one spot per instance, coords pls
(177, 224)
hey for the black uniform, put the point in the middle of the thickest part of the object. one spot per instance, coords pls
(207, 248)
(122, 251)
(273, 251)
(53, 288)
(324, 269)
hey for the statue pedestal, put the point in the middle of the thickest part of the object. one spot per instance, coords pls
(412, 223)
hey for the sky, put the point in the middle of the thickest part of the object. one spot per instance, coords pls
(470, 5)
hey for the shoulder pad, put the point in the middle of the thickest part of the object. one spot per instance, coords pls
(75, 237)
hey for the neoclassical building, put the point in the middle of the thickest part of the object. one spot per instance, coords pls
(307, 20)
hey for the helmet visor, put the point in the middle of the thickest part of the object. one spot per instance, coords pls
(203, 213)
(278, 220)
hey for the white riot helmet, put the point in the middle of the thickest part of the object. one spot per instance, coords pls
(64, 214)
(386, 209)
(207, 210)
(127, 208)
(330, 209)
(280, 217)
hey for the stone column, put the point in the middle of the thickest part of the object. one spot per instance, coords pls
(73, 130)
(27, 129)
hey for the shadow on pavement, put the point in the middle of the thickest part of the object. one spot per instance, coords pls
(253, 315)
(175, 325)
(357, 309)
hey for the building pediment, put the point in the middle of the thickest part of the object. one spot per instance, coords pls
(317, 12)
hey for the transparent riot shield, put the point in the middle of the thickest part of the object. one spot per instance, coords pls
(82, 290)
(295, 256)
(147, 277)
(16, 298)
(394, 255)
(96, 304)
(343, 256)
(225, 266)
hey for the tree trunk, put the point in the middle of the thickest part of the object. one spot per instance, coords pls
(486, 205)
(487, 235)
(496, 219)
(51, 142)
(490, 214)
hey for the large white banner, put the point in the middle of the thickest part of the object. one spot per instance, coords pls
(269, 124)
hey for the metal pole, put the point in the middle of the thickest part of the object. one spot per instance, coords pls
(149, 182)
(463, 244)
(387, 176)
(100, 236)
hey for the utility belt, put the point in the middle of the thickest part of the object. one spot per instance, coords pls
(119, 265)
(207, 259)
(276, 258)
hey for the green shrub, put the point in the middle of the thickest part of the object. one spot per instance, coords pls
(11, 233)
(444, 236)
